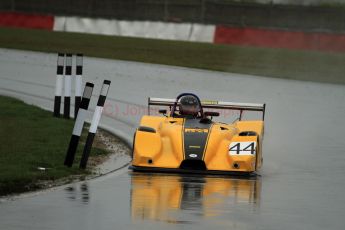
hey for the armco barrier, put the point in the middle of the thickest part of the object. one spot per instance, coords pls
(297, 15)
(143, 29)
(274, 38)
(23, 20)
(280, 39)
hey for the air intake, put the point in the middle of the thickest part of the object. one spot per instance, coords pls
(193, 165)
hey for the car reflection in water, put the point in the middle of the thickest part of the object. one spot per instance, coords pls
(159, 196)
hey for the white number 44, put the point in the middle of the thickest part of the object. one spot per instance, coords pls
(242, 148)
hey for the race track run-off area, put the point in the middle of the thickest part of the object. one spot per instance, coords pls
(301, 185)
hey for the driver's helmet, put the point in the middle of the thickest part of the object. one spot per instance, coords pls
(189, 105)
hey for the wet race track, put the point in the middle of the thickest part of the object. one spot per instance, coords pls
(302, 182)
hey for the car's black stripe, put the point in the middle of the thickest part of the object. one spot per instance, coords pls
(195, 136)
(208, 138)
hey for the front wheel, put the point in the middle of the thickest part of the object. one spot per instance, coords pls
(132, 153)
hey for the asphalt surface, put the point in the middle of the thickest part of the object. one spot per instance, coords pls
(301, 186)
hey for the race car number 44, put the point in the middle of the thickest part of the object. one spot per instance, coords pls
(242, 148)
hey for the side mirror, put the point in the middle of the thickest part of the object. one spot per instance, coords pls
(211, 114)
(162, 111)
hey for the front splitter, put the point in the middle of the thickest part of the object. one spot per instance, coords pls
(192, 171)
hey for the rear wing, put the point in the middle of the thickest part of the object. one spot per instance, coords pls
(213, 104)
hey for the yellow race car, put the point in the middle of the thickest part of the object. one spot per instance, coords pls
(186, 139)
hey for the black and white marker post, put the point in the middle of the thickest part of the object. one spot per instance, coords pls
(58, 84)
(94, 123)
(78, 83)
(79, 124)
(68, 81)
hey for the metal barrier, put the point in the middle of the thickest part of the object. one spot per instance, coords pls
(226, 12)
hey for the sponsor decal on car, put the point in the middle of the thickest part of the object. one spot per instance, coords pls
(192, 130)
(209, 102)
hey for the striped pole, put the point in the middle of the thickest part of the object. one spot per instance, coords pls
(94, 123)
(58, 84)
(68, 81)
(78, 83)
(79, 124)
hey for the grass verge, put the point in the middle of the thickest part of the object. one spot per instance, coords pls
(30, 138)
(280, 63)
